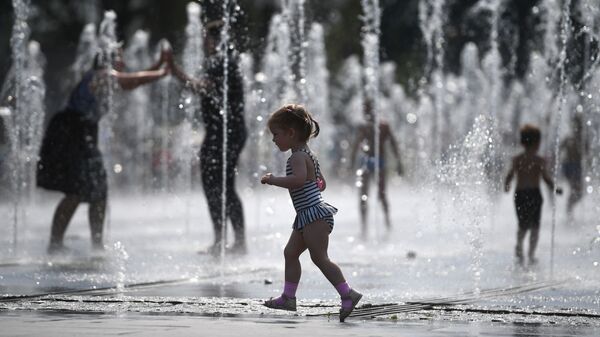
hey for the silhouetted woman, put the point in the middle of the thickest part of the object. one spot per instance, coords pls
(70, 160)
(210, 89)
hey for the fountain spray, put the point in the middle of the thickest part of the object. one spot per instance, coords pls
(370, 43)
(224, 48)
(16, 120)
(192, 64)
(107, 42)
(565, 33)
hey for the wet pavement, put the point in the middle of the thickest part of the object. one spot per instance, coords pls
(429, 277)
(132, 324)
(159, 309)
(228, 317)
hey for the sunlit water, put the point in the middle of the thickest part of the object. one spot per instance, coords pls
(444, 241)
(148, 242)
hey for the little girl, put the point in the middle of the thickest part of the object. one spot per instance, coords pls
(292, 125)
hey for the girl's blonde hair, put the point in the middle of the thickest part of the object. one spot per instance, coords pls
(295, 116)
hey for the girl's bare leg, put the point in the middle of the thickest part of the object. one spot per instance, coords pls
(316, 239)
(294, 248)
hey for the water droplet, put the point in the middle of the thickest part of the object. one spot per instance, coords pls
(260, 77)
(411, 118)
(118, 168)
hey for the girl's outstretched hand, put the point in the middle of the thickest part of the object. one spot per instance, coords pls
(265, 179)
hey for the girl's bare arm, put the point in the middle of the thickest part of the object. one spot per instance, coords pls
(292, 181)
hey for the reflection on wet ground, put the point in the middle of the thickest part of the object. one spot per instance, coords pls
(108, 324)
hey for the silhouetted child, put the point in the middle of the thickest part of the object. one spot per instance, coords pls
(529, 168)
(292, 126)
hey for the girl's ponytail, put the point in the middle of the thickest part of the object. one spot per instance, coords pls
(315, 129)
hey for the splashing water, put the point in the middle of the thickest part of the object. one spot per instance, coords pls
(25, 115)
(316, 79)
(432, 21)
(564, 36)
(192, 64)
(121, 257)
(137, 123)
(460, 176)
(84, 56)
(107, 43)
(224, 49)
(370, 44)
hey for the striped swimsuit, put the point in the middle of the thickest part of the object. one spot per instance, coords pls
(307, 200)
